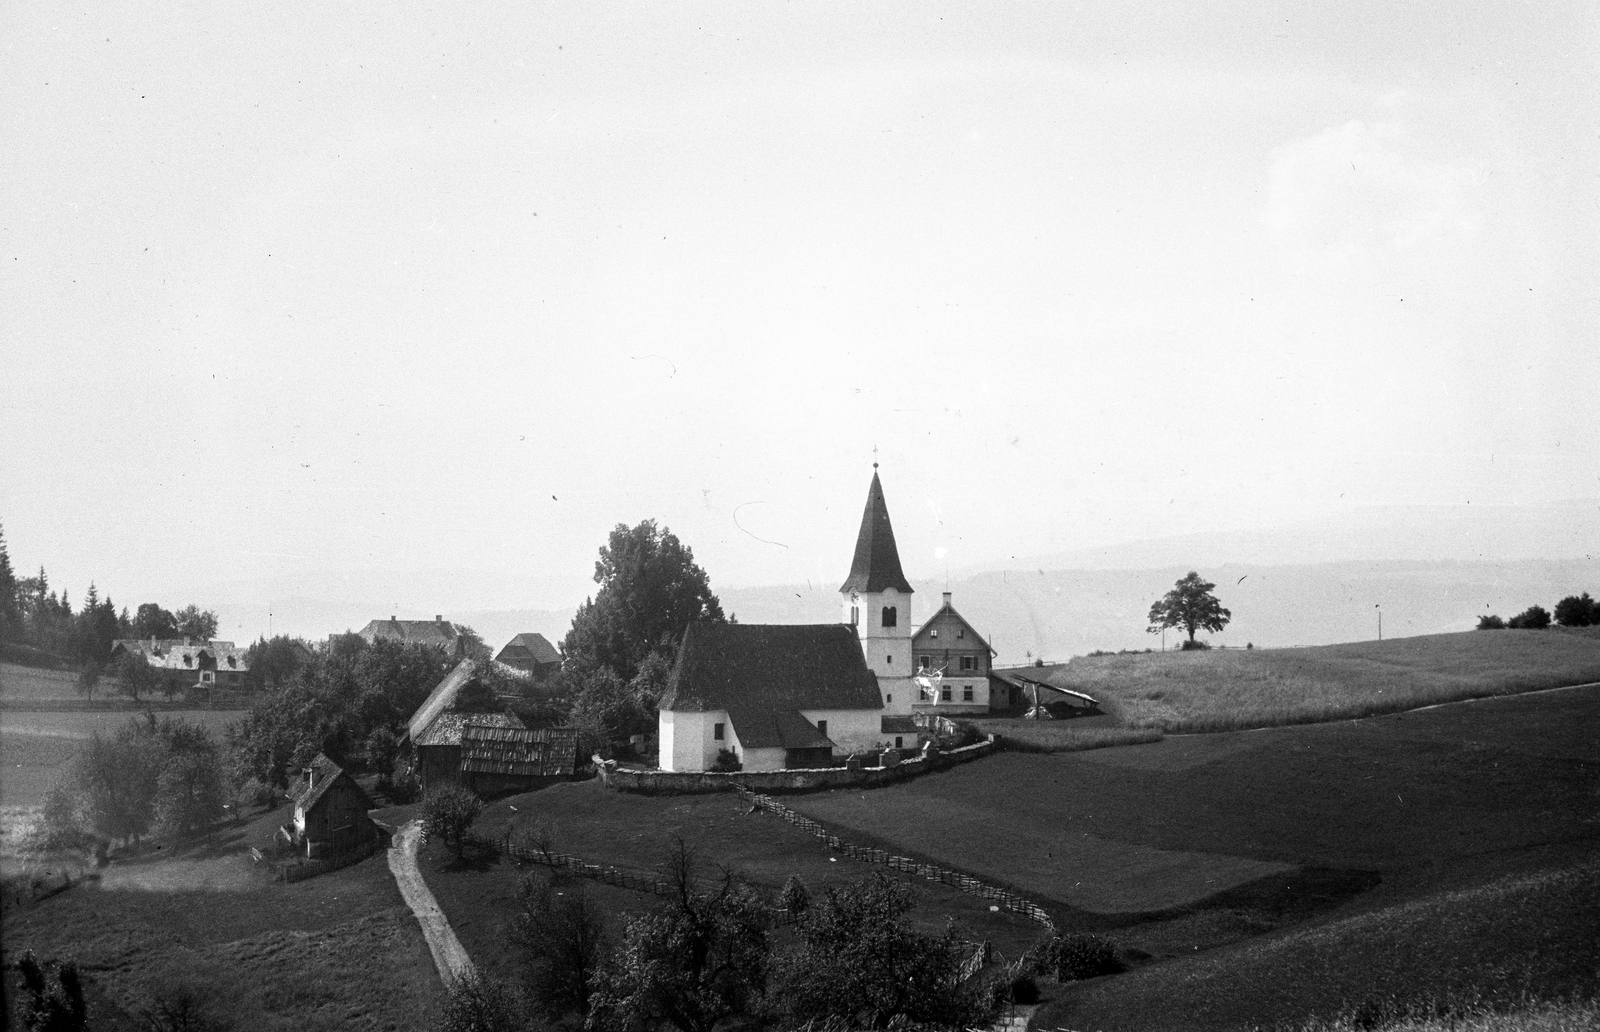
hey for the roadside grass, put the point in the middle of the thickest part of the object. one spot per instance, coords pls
(1131, 831)
(1047, 736)
(1231, 689)
(1486, 939)
(36, 748)
(333, 952)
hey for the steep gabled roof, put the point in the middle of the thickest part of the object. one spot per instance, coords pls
(762, 673)
(923, 638)
(439, 700)
(325, 772)
(426, 632)
(529, 647)
(877, 562)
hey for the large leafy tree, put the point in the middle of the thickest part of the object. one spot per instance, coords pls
(650, 590)
(151, 621)
(1572, 611)
(196, 623)
(1191, 606)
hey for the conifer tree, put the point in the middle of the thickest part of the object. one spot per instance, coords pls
(10, 607)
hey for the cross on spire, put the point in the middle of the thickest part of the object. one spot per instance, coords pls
(874, 456)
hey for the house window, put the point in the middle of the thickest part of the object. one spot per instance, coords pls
(719, 731)
(889, 616)
(969, 662)
(208, 676)
(888, 660)
(822, 728)
(966, 693)
(899, 742)
(888, 699)
(944, 693)
(934, 633)
(855, 615)
(923, 662)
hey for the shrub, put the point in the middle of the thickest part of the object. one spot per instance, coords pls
(1533, 618)
(1072, 956)
(1490, 623)
(448, 812)
(795, 898)
(1024, 989)
(478, 1004)
(727, 762)
(61, 819)
(1577, 611)
(52, 995)
(1191, 646)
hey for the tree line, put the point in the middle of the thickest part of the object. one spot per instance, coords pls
(1572, 611)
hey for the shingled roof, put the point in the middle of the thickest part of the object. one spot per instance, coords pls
(529, 647)
(763, 675)
(450, 728)
(876, 565)
(545, 752)
(437, 631)
(184, 654)
(324, 772)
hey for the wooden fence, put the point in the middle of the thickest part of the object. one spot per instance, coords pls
(1005, 898)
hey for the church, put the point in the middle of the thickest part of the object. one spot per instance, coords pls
(788, 696)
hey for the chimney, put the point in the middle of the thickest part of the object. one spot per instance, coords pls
(438, 618)
(947, 598)
(311, 777)
(393, 618)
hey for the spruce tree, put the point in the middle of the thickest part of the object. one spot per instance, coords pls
(10, 611)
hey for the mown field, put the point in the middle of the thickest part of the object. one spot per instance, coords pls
(36, 747)
(340, 951)
(1228, 689)
(1271, 876)
(33, 684)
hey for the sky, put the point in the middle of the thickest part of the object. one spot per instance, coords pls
(440, 294)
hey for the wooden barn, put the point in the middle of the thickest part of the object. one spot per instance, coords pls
(330, 811)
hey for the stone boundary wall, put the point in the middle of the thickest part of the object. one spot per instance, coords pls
(1007, 899)
(663, 782)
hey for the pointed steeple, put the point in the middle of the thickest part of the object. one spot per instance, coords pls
(876, 565)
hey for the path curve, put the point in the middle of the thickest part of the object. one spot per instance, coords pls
(448, 954)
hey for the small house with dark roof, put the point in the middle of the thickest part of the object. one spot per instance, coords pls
(531, 653)
(437, 632)
(330, 811)
(776, 696)
(953, 662)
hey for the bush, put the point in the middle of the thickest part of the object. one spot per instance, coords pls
(1533, 618)
(53, 995)
(1490, 623)
(1577, 611)
(727, 762)
(795, 898)
(478, 1004)
(62, 822)
(448, 811)
(1194, 646)
(1024, 989)
(1072, 956)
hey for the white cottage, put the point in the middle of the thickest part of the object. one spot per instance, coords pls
(774, 695)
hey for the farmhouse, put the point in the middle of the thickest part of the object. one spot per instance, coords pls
(489, 753)
(953, 666)
(438, 632)
(209, 663)
(774, 696)
(531, 653)
(330, 811)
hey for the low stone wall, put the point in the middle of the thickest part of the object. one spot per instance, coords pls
(662, 782)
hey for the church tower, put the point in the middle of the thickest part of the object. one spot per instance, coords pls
(877, 603)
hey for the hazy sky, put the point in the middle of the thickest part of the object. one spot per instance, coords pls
(302, 287)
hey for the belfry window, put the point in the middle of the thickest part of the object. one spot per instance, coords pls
(889, 616)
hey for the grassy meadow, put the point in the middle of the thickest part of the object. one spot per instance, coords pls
(1228, 689)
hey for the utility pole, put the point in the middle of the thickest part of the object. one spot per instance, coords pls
(1379, 607)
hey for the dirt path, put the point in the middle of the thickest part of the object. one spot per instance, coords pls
(448, 955)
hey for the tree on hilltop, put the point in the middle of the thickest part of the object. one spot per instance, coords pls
(1191, 606)
(1577, 611)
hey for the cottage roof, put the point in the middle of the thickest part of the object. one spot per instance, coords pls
(439, 700)
(306, 791)
(448, 728)
(185, 653)
(898, 724)
(529, 647)
(877, 562)
(437, 631)
(924, 639)
(495, 749)
(763, 675)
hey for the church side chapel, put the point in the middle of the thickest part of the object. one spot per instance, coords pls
(782, 696)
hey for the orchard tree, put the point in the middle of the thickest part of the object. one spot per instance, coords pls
(1577, 611)
(651, 589)
(134, 675)
(448, 811)
(1191, 606)
(1533, 618)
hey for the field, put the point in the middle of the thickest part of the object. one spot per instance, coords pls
(1268, 876)
(339, 951)
(22, 684)
(36, 747)
(1217, 690)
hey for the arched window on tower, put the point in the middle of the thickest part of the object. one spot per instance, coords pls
(889, 616)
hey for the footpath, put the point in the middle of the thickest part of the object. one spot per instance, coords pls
(448, 954)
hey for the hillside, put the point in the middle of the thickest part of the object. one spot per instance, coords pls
(1235, 688)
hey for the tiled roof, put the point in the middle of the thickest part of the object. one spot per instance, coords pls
(529, 647)
(877, 562)
(426, 632)
(545, 752)
(184, 654)
(439, 700)
(448, 728)
(326, 772)
(763, 675)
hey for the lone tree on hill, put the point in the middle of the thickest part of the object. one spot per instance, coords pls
(1190, 605)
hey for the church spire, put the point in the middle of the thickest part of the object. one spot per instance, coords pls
(877, 562)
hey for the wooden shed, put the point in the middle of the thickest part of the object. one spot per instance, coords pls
(330, 811)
